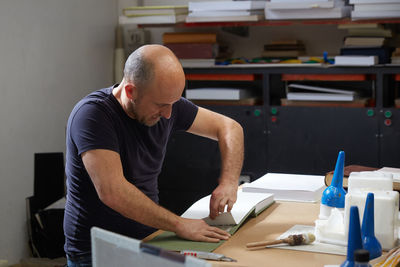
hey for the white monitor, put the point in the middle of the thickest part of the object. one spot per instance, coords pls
(111, 249)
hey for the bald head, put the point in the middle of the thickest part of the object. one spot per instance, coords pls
(149, 63)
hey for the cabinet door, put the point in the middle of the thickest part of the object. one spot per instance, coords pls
(308, 139)
(390, 138)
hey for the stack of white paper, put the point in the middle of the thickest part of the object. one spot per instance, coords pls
(217, 94)
(289, 187)
(370, 9)
(208, 11)
(306, 9)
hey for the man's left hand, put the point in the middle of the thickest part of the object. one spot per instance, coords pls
(224, 195)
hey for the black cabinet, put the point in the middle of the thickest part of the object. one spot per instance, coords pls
(289, 139)
(307, 140)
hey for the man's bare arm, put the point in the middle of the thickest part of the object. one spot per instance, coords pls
(229, 135)
(105, 169)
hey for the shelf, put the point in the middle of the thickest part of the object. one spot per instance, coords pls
(220, 77)
(327, 77)
(275, 23)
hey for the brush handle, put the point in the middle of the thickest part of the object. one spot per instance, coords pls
(265, 243)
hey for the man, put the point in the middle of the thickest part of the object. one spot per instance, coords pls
(116, 142)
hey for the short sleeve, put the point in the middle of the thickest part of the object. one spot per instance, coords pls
(185, 113)
(92, 128)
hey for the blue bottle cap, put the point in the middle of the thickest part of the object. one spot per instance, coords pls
(334, 195)
(370, 242)
(354, 238)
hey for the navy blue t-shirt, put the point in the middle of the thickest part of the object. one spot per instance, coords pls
(99, 122)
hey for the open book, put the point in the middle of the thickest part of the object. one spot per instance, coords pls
(247, 204)
(289, 187)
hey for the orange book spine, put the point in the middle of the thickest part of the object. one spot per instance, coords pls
(397, 77)
(177, 37)
(325, 77)
(220, 77)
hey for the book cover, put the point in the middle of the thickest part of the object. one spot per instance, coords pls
(170, 241)
(188, 37)
(289, 187)
(247, 203)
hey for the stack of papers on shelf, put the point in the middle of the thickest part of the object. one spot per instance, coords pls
(356, 60)
(197, 63)
(318, 93)
(289, 187)
(209, 11)
(218, 94)
(370, 9)
(309, 9)
(153, 14)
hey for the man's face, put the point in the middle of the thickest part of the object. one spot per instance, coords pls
(151, 104)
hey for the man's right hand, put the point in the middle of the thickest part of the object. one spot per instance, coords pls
(199, 230)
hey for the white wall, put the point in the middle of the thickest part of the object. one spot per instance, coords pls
(52, 53)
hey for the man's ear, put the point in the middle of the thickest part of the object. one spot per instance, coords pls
(130, 91)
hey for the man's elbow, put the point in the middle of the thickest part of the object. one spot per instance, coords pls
(108, 196)
(237, 128)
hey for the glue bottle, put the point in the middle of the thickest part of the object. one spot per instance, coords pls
(334, 195)
(361, 258)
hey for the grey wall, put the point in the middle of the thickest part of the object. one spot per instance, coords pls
(52, 52)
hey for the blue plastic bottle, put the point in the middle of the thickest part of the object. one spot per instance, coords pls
(334, 195)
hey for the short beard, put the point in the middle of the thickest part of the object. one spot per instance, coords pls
(132, 110)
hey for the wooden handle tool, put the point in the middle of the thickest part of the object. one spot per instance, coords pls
(292, 240)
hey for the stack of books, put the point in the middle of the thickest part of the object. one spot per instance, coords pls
(153, 14)
(306, 9)
(367, 40)
(284, 49)
(212, 11)
(373, 9)
(395, 59)
(304, 92)
(193, 49)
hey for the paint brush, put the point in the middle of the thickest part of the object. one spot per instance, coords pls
(292, 240)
